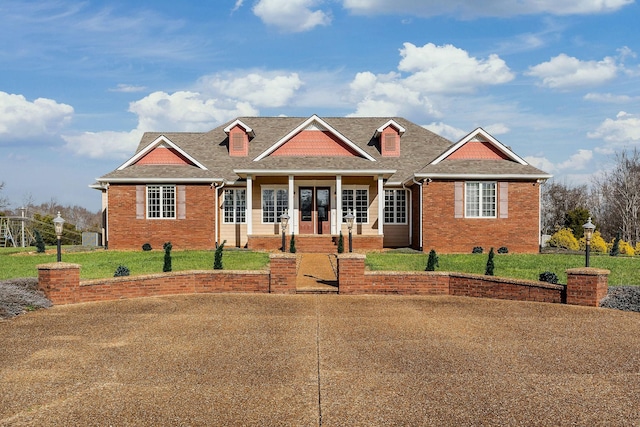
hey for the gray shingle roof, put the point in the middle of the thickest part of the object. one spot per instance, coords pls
(418, 147)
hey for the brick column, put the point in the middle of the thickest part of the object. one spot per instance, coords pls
(283, 273)
(59, 281)
(586, 286)
(351, 273)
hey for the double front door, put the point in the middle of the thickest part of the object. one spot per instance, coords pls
(315, 210)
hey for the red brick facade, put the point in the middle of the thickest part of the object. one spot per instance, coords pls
(195, 231)
(518, 232)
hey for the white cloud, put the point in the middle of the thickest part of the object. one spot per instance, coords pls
(448, 69)
(497, 129)
(127, 88)
(237, 6)
(565, 72)
(469, 9)
(577, 161)
(106, 144)
(21, 119)
(262, 89)
(446, 131)
(185, 111)
(625, 128)
(291, 15)
(609, 98)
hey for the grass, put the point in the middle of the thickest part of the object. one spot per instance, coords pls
(624, 270)
(98, 264)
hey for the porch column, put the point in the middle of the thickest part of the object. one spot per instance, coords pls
(249, 205)
(338, 204)
(293, 218)
(380, 205)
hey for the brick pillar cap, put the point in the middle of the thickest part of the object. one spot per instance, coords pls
(281, 255)
(352, 256)
(57, 266)
(588, 271)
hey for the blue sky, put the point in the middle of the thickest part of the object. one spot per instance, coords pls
(556, 80)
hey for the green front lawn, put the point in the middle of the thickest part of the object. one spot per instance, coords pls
(624, 270)
(100, 263)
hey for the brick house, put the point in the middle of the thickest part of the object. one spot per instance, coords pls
(406, 186)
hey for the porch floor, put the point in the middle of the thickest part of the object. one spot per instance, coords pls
(317, 273)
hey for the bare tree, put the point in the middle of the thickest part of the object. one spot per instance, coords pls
(4, 202)
(618, 195)
(559, 199)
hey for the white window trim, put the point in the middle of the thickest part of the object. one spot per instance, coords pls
(354, 188)
(395, 210)
(175, 201)
(275, 201)
(495, 205)
(224, 201)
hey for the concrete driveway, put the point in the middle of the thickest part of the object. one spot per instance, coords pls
(310, 360)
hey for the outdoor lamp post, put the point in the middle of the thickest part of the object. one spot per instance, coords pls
(349, 217)
(58, 224)
(588, 233)
(284, 221)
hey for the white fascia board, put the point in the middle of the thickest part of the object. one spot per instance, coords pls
(481, 176)
(160, 180)
(160, 140)
(303, 125)
(307, 172)
(393, 123)
(240, 123)
(479, 131)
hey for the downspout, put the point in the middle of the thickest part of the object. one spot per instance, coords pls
(106, 218)
(420, 211)
(539, 216)
(217, 209)
(410, 213)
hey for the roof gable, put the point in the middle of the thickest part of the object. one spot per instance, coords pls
(479, 145)
(162, 151)
(314, 137)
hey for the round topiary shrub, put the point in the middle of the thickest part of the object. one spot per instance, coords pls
(477, 250)
(548, 277)
(503, 250)
(121, 271)
(146, 247)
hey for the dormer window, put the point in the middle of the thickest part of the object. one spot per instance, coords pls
(239, 135)
(389, 138)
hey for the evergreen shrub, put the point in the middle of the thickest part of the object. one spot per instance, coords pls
(432, 262)
(146, 247)
(166, 267)
(477, 250)
(490, 264)
(217, 257)
(503, 250)
(548, 277)
(121, 271)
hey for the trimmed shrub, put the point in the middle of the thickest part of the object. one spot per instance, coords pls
(503, 250)
(121, 271)
(166, 267)
(39, 243)
(217, 257)
(615, 246)
(477, 250)
(490, 265)
(432, 262)
(146, 247)
(292, 244)
(340, 243)
(548, 277)
(564, 238)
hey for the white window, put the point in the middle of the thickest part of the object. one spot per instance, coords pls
(275, 202)
(235, 205)
(161, 201)
(356, 200)
(395, 207)
(480, 200)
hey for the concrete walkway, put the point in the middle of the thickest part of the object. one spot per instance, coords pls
(317, 273)
(320, 360)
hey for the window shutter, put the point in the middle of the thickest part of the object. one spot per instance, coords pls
(140, 189)
(504, 199)
(182, 202)
(459, 199)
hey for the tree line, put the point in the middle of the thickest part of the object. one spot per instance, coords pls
(612, 200)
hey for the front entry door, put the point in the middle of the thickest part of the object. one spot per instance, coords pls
(315, 210)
